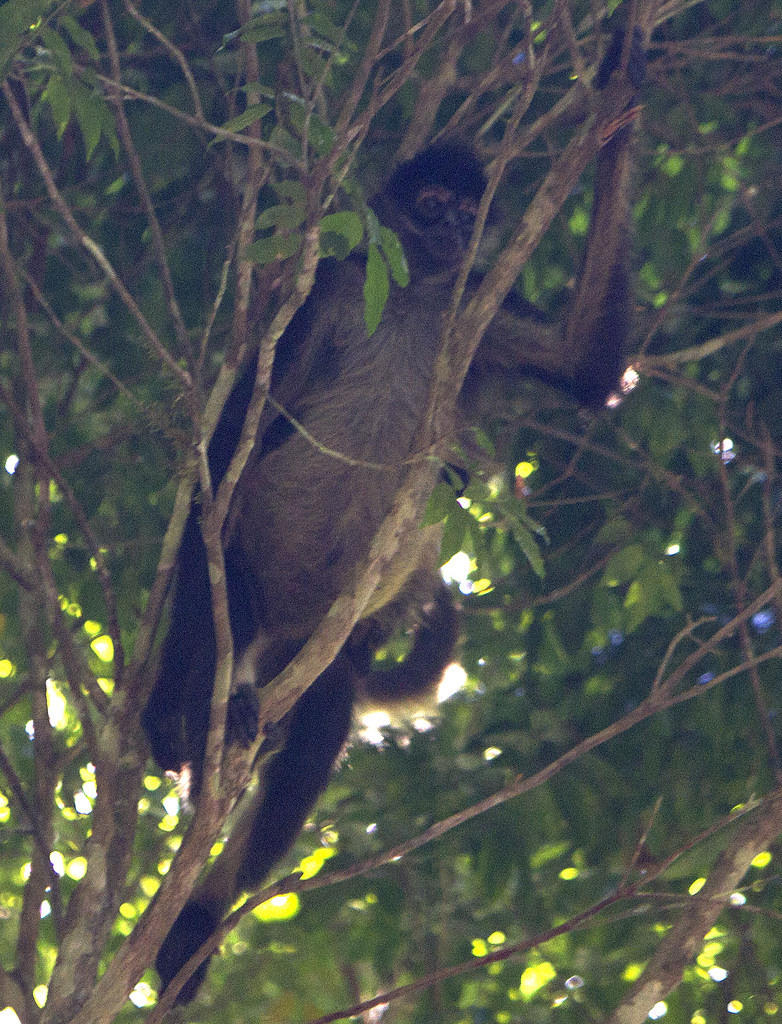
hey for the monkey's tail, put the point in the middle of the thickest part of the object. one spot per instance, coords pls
(201, 915)
(431, 653)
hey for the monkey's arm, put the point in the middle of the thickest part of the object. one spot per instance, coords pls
(584, 356)
(600, 313)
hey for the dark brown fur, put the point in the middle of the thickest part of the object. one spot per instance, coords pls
(302, 520)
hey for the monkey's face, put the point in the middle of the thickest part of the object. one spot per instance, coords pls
(432, 201)
(443, 222)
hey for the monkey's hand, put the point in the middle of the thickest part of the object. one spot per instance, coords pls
(241, 723)
(636, 61)
(165, 729)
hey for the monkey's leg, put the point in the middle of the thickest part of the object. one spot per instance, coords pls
(177, 713)
(296, 777)
(291, 783)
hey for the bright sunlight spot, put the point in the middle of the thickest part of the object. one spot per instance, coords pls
(724, 449)
(82, 802)
(103, 647)
(534, 978)
(457, 568)
(525, 469)
(311, 865)
(55, 705)
(77, 868)
(371, 726)
(629, 380)
(632, 972)
(454, 679)
(143, 995)
(278, 908)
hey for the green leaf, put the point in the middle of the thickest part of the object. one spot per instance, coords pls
(525, 539)
(253, 113)
(291, 189)
(655, 592)
(263, 33)
(255, 89)
(17, 17)
(272, 24)
(283, 139)
(278, 247)
(286, 215)
(347, 227)
(109, 127)
(376, 289)
(80, 36)
(312, 65)
(327, 29)
(59, 98)
(59, 51)
(373, 227)
(319, 134)
(395, 254)
(624, 566)
(441, 503)
(456, 528)
(87, 107)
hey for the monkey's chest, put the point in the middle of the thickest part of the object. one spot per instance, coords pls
(307, 511)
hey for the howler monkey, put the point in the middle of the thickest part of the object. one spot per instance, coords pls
(301, 520)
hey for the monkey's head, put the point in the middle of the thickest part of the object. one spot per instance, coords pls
(431, 202)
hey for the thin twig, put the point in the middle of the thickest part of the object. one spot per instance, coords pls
(88, 243)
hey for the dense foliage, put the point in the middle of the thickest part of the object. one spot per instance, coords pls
(612, 760)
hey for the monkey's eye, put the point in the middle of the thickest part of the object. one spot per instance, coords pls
(432, 202)
(468, 209)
